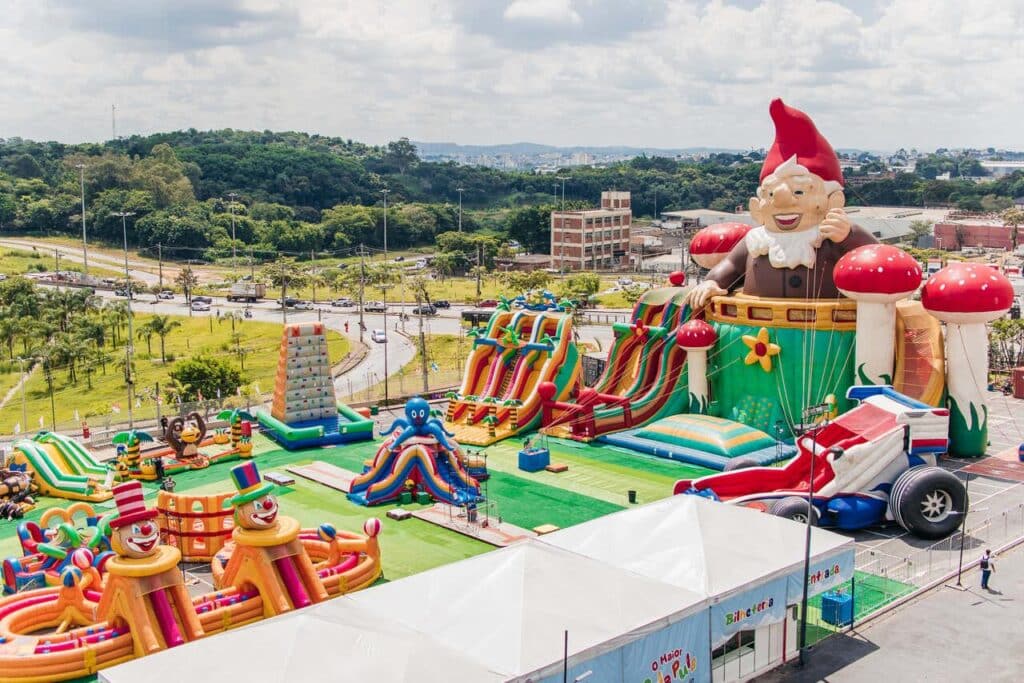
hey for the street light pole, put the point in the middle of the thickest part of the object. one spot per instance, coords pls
(128, 344)
(85, 249)
(234, 257)
(837, 453)
(460, 191)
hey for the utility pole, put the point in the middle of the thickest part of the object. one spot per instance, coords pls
(128, 343)
(385, 193)
(423, 349)
(85, 249)
(234, 257)
(479, 266)
(362, 284)
(252, 266)
(460, 191)
(160, 263)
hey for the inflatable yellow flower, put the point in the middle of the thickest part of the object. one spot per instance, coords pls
(761, 349)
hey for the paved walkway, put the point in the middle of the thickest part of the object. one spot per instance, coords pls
(945, 635)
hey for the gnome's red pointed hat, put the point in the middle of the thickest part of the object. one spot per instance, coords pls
(796, 135)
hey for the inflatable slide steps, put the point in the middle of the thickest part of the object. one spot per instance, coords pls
(920, 371)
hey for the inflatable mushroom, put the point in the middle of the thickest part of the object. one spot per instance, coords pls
(696, 336)
(965, 296)
(876, 276)
(713, 243)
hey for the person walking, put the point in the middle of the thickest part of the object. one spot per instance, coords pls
(346, 327)
(987, 566)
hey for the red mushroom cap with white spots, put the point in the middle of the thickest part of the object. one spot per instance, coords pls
(877, 273)
(712, 244)
(966, 293)
(696, 335)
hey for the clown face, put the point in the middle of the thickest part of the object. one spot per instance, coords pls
(137, 540)
(257, 514)
(792, 199)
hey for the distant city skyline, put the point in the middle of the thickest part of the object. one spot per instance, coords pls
(875, 75)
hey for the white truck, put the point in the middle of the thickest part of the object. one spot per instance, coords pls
(250, 292)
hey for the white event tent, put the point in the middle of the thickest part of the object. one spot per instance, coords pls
(747, 563)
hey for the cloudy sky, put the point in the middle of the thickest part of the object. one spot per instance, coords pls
(669, 73)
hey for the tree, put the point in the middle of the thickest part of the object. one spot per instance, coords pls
(187, 280)
(519, 282)
(161, 326)
(284, 273)
(146, 332)
(207, 375)
(582, 286)
(531, 227)
(632, 293)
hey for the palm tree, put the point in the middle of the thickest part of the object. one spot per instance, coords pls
(231, 316)
(163, 325)
(146, 332)
(177, 391)
(234, 418)
(315, 276)
(117, 317)
(8, 332)
(284, 273)
(491, 421)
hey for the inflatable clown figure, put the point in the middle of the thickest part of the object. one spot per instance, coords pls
(255, 505)
(134, 531)
(802, 229)
(144, 588)
(268, 552)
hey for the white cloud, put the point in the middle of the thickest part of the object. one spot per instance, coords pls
(667, 73)
(550, 11)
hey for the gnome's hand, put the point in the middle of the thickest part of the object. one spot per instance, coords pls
(702, 293)
(836, 226)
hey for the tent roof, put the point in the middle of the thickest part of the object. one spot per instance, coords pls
(349, 644)
(702, 545)
(509, 608)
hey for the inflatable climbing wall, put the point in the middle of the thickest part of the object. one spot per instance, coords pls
(303, 387)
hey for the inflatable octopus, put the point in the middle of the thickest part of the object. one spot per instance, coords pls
(418, 422)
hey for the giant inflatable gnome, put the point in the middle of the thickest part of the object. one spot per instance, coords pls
(802, 228)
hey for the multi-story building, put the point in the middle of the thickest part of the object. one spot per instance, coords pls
(594, 239)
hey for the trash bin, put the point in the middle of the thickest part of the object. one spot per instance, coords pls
(837, 608)
(632, 496)
(374, 410)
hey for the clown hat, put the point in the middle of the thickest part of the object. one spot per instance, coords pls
(247, 480)
(796, 135)
(130, 506)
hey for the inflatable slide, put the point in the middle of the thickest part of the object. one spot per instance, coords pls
(63, 468)
(513, 356)
(643, 379)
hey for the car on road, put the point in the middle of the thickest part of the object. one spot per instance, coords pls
(165, 294)
(122, 291)
(399, 258)
(203, 299)
(375, 307)
(303, 306)
(488, 303)
(289, 301)
(442, 303)
(200, 305)
(379, 336)
(344, 302)
(425, 309)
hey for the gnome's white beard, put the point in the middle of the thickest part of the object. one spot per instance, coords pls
(784, 250)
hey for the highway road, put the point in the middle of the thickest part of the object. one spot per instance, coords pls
(370, 371)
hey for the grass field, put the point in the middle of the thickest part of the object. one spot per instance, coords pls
(196, 335)
(20, 262)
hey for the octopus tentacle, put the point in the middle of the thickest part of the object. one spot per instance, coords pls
(399, 422)
(437, 431)
(406, 434)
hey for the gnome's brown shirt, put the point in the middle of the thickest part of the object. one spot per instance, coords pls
(759, 277)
